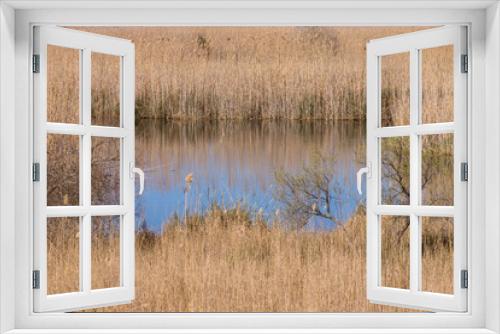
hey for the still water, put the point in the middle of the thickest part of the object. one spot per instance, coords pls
(234, 162)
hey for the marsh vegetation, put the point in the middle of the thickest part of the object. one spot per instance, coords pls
(250, 139)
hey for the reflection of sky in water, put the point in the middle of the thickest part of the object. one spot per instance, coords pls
(240, 167)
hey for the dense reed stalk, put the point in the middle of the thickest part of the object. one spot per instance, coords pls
(251, 73)
(225, 261)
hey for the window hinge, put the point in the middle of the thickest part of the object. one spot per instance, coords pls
(36, 279)
(36, 63)
(464, 171)
(465, 64)
(36, 172)
(464, 279)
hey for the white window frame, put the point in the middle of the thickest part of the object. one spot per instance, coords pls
(16, 20)
(86, 44)
(413, 44)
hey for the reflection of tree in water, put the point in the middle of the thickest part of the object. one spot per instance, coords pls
(437, 163)
(436, 175)
(395, 170)
(315, 191)
(63, 169)
(436, 170)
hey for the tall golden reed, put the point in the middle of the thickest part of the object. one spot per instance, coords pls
(225, 262)
(253, 73)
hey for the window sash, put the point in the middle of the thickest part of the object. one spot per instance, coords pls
(413, 43)
(86, 43)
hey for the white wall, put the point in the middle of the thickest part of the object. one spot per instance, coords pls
(492, 171)
(7, 176)
(7, 148)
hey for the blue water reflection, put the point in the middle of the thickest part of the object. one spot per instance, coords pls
(234, 162)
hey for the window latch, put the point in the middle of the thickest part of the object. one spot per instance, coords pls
(134, 170)
(365, 170)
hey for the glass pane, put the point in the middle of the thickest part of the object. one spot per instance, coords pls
(437, 84)
(437, 169)
(105, 171)
(437, 254)
(395, 170)
(105, 90)
(105, 252)
(395, 251)
(395, 89)
(63, 84)
(63, 169)
(63, 255)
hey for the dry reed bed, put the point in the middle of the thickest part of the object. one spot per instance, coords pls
(227, 262)
(255, 73)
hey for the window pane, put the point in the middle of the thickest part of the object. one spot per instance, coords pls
(395, 89)
(105, 90)
(395, 170)
(437, 84)
(63, 169)
(63, 255)
(437, 169)
(63, 84)
(437, 254)
(395, 251)
(105, 252)
(105, 171)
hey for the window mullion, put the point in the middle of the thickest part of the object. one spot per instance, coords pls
(85, 181)
(414, 170)
(420, 129)
(421, 210)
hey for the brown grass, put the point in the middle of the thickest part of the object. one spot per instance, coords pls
(227, 262)
(253, 73)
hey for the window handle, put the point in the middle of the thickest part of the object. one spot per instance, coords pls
(135, 170)
(365, 170)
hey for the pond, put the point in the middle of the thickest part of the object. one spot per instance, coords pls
(235, 163)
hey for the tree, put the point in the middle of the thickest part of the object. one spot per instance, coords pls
(312, 192)
(436, 172)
